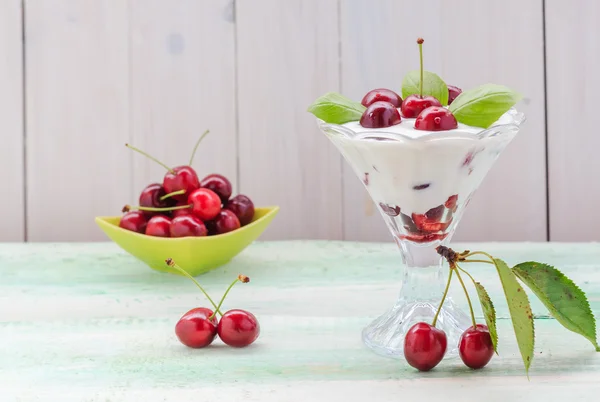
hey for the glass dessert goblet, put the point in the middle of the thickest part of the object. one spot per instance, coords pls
(421, 183)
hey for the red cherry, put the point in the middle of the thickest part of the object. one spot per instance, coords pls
(226, 221)
(177, 178)
(242, 207)
(424, 346)
(195, 330)
(181, 178)
(159, 226)
(475, 346)
(415, 104)
(135, 221)
(453, 92)
(187, 225)
(238, 328)
(206, 204)
(180, 212)
(380, 115)
(435, 118)
(150, 197)
(381, 94)
(219, 184)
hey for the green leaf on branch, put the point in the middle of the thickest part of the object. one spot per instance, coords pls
(520, 311)
(561, 296)
(489, 313)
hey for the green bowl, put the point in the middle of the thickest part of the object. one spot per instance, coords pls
(196, 255)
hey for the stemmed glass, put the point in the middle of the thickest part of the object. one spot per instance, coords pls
(421, 186)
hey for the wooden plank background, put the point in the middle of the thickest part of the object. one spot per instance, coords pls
(157, 74)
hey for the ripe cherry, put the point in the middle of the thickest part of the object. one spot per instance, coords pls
(186, 226)
(159, 226)
(415, 104)
(181, 178)
(475, 346)
(219, 184)
(135, 221)
(435, 118)
(381, 94)
(197, 328)
(184, 211)
(379, 115)
(242, 207)
(226, 221)
(453, 92)
(424, 346)
(151, 197)
(238, 328)
(206, 204)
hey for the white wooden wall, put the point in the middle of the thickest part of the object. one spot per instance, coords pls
(79, 79)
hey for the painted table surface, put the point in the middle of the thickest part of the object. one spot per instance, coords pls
(88, 322)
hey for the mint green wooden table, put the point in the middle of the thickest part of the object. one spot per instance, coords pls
(87, 322)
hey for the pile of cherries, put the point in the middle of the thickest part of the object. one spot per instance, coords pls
(386, 108)
(199, 327)
(182, 205)
(425, 346)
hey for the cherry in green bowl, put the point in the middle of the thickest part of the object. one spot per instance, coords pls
(196, 255)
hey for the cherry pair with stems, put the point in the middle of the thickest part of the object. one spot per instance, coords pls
(200, 326)
(425, 345)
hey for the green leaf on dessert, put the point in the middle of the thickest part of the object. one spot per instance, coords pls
(561, 296)
(336, 109)
(483, 106)
(520, 311)
(489, 313)
(433, 85)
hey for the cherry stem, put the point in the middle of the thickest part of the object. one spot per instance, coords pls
(150, 157)
(437, 313)
(240, 278)
(420, 42)
(479, 253)
(172, 264)
(178, 192)
(196, 146)
(129, 207)
(484, 261)
(468, 298)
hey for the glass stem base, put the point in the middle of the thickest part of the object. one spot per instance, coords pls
(419, 299)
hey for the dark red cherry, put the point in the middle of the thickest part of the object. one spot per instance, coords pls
(187, 225)
(242, 207)
(453, 92)
(381, 94)
(150, 197)
(226, 221)
(424, 346)
(219, 184)
(135, 221)
(380, 115)
(475, 346)
(435, 118)
(159, 226)
(181, 178)
(415, 104)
